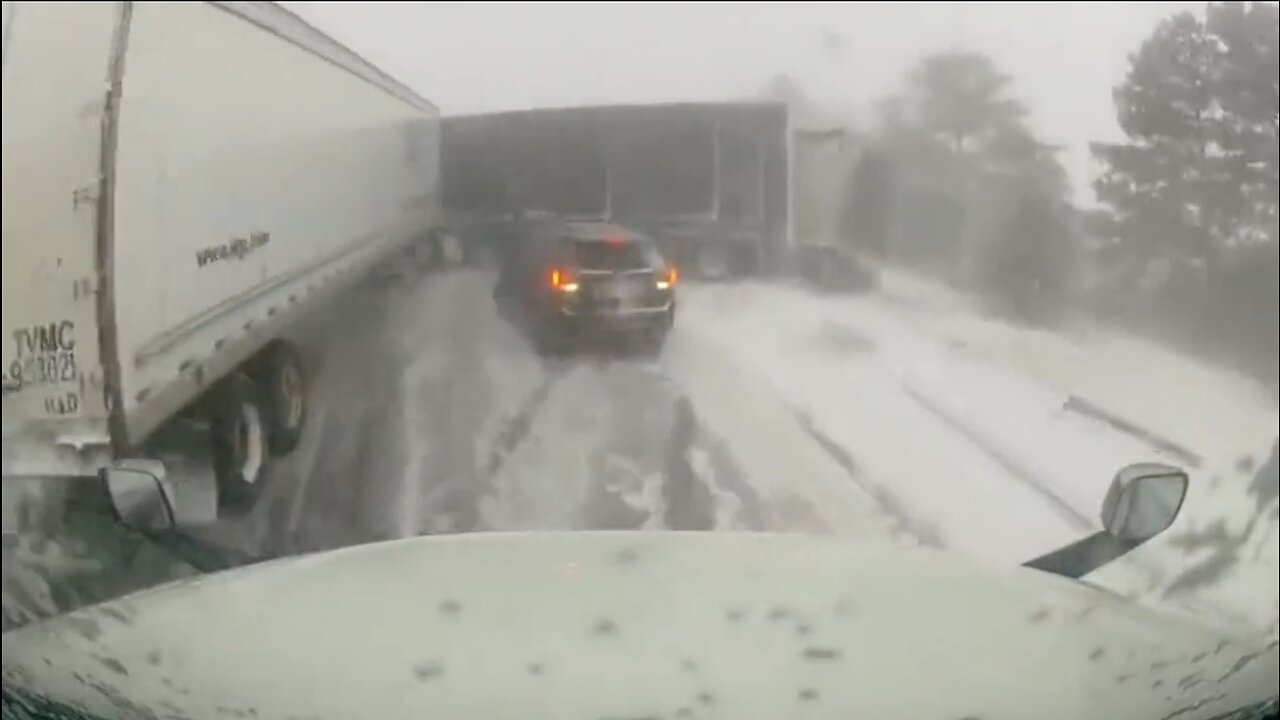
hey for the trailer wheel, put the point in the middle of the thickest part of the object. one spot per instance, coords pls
(239, 441)
(283, 389)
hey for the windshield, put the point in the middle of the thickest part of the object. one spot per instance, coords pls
(992, 282)
(622, 254)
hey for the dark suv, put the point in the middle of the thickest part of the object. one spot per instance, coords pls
(567, 281)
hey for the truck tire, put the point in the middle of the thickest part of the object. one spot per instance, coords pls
(282, 387)
(239, 439)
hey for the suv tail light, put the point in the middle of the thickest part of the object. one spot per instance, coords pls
(668, 280)
(563, 281)
(868, 258)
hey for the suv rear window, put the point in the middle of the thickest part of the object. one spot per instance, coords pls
(609, 255)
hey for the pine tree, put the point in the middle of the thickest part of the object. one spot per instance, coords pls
(1197, 174)
(1160, 183)
(961, 97)
(1247, 84)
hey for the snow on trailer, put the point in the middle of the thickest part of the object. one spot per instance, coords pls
(165, 230)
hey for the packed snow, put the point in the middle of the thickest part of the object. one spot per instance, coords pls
(967, 425)
(902, 415)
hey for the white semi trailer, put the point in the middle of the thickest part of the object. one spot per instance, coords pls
(183, 182)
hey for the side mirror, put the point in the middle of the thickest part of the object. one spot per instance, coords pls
(138, 494)
(145, 502)
(183, 467)
(1143, 501)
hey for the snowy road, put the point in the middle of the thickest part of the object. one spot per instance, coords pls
(901, 415)
(432, 414)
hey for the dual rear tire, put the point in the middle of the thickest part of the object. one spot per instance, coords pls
(256, 413)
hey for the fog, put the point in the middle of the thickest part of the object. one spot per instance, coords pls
(468, 58)
(1032, 300)
(975, 261)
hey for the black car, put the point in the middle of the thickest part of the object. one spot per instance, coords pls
(569, 281)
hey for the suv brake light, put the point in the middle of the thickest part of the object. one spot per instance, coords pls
(668, 281)
(563, 281)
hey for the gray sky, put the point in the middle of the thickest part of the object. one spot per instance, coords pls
(1064, 58)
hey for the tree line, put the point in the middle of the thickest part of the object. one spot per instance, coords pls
(1182, 241)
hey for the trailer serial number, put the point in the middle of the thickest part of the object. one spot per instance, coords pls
(45, 355)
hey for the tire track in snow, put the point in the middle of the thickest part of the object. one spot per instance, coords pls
(653, 463)
(704, 487)
(447, 394)
(1151, 438)
(1015, 469)
(516, 426)
(688, 503)
(751, 444)
(892, 505)
(572, 456)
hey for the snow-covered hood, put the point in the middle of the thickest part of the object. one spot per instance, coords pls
(571, 626)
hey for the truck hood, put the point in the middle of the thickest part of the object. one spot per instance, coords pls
(570, 626)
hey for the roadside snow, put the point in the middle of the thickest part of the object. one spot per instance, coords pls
(1218, 412)
(852, 383)
(963, 425)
